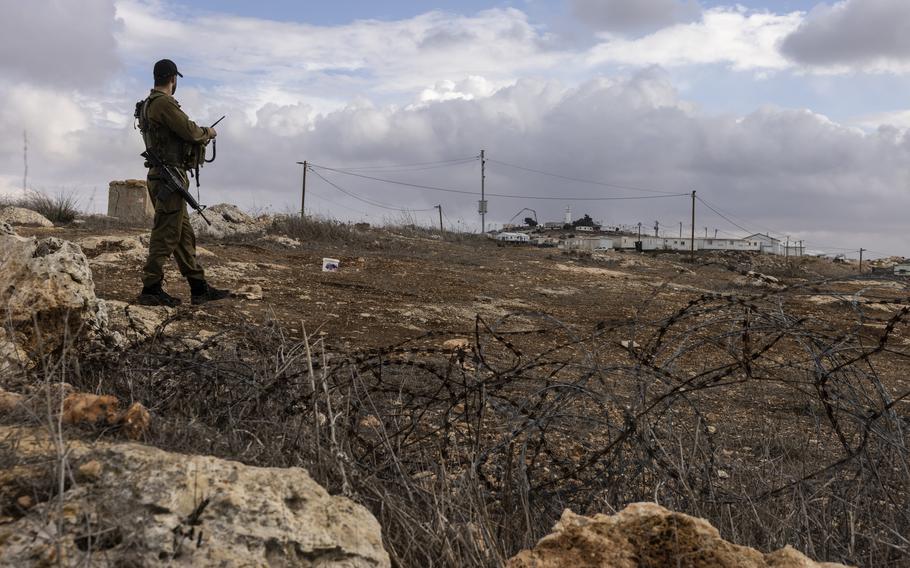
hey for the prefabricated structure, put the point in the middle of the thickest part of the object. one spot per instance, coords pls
(683, 244)
(513, 237)
(587, 243)
(728, 244)
(902, 269)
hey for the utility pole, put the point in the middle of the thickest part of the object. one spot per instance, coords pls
(715, 233)
(639, 231)
(483, 199)
(861, 251)
(303, 190)
(692, 242)
(656, 228)
(787, 250)
(706, 232)
(441, 230)
(680, 229)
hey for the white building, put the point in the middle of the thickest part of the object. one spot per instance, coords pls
(684, 244)
(587, 243)
(513, 237)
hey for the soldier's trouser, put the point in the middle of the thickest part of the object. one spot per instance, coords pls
(172, 234)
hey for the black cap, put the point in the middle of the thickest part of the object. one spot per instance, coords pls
(166, 68)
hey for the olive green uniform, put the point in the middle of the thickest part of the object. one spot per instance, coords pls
(172, 234)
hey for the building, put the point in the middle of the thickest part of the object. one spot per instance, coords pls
(768, 244)
(587, 243)
(683, 244)
(513, 237)
(902, 269)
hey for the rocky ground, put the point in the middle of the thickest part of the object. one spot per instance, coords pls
(456, 308)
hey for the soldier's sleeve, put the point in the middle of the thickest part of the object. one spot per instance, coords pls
(180, 124)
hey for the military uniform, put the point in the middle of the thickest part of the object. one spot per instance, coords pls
(172, 233)
(179, 143)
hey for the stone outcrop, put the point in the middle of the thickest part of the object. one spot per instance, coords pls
(23, 217)
(46, 286)
(129, 202)
(646, 534)
(133, 505)
(227, 221)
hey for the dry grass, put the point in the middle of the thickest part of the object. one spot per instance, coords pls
(60, 209)
(779, 427)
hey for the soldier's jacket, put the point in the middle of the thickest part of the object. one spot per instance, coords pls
(171, 130)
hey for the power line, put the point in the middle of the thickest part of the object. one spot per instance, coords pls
(420, 165)
(502, 195)
(722, 216)
(579, 180)
(365, 200)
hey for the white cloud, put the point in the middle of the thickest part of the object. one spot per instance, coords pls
(743, 40)
(380, 58)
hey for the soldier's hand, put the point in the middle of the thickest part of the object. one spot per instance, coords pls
(212, 132)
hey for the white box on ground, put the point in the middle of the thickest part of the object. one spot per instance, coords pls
(330, 264)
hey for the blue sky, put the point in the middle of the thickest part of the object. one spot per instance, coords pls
(789, 115)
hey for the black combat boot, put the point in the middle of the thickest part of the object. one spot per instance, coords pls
(154, 295)
(201, 292)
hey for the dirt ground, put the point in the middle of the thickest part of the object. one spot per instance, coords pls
(399, 287)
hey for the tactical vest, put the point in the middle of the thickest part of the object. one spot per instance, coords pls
(172, 149)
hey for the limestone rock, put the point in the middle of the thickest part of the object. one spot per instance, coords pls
(46, 284)
(129, 201)
(114, 249)
(24, 217)
(227, 221)
(141, 506)
(248, 292)
(646, 534)
(104, 410)
(130, 323)
(282, 241)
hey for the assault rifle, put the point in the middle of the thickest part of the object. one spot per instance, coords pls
(173, 183)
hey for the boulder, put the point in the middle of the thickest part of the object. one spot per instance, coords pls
(133, 505)
(646, 534)
(227, 221)
(23, 217)
(46, 286)
(114, 250)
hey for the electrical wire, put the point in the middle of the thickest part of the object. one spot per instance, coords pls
(365, 200)
(579, 180)
(491, 194)
(724, 217)
(421, 165)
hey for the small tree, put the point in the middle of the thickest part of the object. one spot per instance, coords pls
(585, 221)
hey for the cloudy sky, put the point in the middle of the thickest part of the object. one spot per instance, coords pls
(787, 117)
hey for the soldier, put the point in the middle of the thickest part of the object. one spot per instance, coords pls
(170, 132)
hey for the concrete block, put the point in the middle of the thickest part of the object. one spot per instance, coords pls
(129, 201)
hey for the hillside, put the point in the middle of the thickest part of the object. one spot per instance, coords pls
(467, 393)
